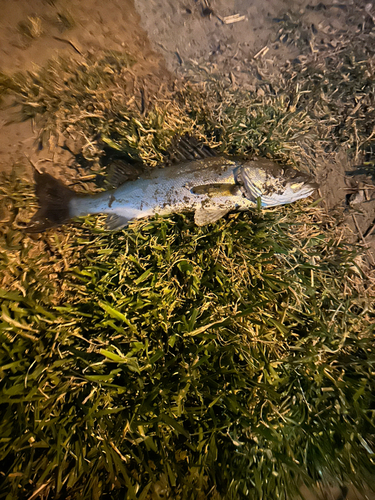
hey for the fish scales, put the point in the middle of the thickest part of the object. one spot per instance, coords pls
(168, 190)
(209, 187)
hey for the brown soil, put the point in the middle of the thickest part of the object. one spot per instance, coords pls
(185, 36)
(168, 38)
(95, 26)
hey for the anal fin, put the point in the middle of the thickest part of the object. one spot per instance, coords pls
(208, 215)
(115, 222)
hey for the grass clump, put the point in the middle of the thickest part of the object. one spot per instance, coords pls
(32, 28)
(230, 361)
(142, 370)
(89, 102)
(343, 91)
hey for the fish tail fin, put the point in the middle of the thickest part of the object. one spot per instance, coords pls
(54, 202)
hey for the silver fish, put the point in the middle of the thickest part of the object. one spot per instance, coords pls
(209, 187)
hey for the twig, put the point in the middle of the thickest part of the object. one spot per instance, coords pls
(36, 492)
(365, 244)
(368, 8)
(233, 19)
(262, 52)
(68, 42)
(369, 230)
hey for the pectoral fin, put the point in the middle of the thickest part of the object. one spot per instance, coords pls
(215, 190)
(208, 215)
(115, 222)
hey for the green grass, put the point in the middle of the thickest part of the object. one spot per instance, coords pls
(230, 361)
(136, 361)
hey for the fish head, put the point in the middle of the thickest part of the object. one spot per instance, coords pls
(274, 184)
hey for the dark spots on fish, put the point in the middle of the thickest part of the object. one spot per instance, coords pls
(216, 165)
(111, 200)
(206, 203)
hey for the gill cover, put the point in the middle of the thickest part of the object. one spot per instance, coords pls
(273, 183)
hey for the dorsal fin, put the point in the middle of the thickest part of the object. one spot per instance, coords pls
(185, 148)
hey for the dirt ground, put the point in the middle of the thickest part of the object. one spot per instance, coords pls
(188, 33)
(190, 38)
(68, 29)
(185, 38)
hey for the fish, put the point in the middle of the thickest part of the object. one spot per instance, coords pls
(209, 187)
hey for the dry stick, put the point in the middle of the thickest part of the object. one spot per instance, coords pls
(368, 8)
(37, 491)
(233, 19)
(262, 52)
(369, 230)
(32, 163)
(68, 42)
(365, 244)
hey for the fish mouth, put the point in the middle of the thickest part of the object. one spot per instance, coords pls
(306, 189)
